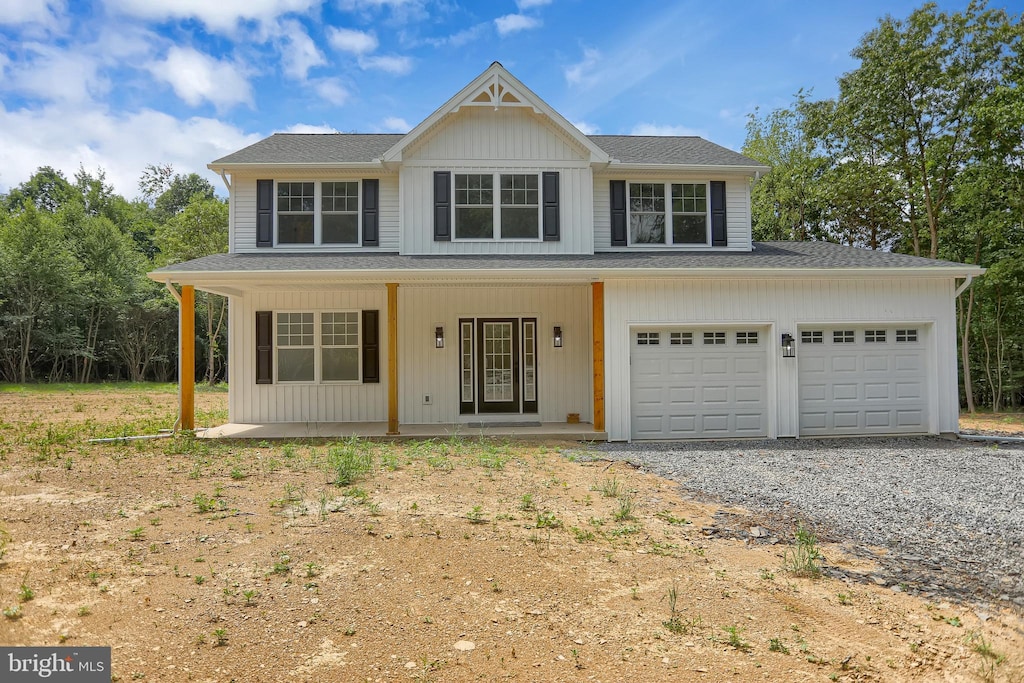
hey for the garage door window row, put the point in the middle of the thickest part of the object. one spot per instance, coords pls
(742, 338)
(850, 337)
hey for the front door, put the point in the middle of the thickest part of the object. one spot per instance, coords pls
(498, 365)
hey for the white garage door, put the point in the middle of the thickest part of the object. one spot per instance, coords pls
(863, 380)
(698, 383)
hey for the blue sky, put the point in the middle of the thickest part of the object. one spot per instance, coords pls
(118, 84)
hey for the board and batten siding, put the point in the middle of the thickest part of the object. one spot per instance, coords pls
(244, 222)
(564, 375)
(488, 134)
(287, 402)
(418, 213)
(785, 305)
(737, 209)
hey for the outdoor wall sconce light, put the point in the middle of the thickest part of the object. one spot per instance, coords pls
(438, 337)
(788, 346)
(558, 337)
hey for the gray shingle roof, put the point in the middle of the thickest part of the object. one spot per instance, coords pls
(777, 256)
(325, 148)
(649, 149)
(313, 148)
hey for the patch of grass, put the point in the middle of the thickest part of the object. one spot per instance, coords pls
(349, 462)
(625, 511)
(667, 516)
(766, 575)
(13, 613)
(582, 535)
(25, 593)
(282, 565)
(735, 639)
(804, 558)
(205, 503)
(476, 515)
(610, 488)
(844, 599)
(84, 611)
(221, 637)
(526, 503)
(548, 520)
(250, 597)
(776, 645)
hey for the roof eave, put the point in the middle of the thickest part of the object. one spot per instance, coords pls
(376, 164)
(542, 275)
(617, 166)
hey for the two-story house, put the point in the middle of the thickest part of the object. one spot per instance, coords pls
(496, 265)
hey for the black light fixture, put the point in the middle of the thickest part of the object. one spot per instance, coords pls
(438, 337)
(558, 337)
(788, 345)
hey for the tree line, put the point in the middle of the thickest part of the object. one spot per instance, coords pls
(75, 303)
(921, 152)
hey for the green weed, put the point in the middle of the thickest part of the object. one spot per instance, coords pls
(803, 559)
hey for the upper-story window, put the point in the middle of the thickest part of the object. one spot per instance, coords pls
(682, 220)
(318, 213)
(516, 214)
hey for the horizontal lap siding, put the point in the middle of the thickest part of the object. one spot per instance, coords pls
(260, 403)
(737, 206)
(244, 220)
(787, 304)
(564, 375)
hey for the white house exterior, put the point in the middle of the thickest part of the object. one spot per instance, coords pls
(495, 265)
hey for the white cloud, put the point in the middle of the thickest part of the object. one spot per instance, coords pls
(392, 64)
(17, 12)
(579, 72)
(510, 23)
(307, 128)
(350, 40)
(196, 77)
(217, 15)
(395, 125)
(66, 135)
(586, 128)
(332, 90)
(300, 54)
(55, 74)
(661, 130)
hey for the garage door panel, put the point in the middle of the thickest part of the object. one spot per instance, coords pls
(844, 364)
(714, 366)
(875, 391)
(877, 418)
(875, 363)
(699, 390)
(844, 392)
(714, 395)
(875, 387)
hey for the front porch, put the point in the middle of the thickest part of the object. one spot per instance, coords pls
(379, 430)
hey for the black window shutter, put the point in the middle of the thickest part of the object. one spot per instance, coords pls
(550, 187)
(264, 213)
(442, 206)
(618, 207)
(264, 347)
(371, 347)
(371, 197)
(719, 234)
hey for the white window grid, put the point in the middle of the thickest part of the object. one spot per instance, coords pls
(903, 336)
(747, 338)
(714, 338)
(648, 338)
(666, 200)
(843, 337)
(680, 338)
(307, 330)
(515, 191)
(812, 337)
(311, 196)
(874, 336)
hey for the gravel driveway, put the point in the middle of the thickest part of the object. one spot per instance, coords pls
(950, 513)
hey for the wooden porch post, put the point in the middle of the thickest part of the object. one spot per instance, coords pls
(597, 294)
(187, 356)
(392, 358)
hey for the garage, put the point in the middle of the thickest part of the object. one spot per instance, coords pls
(698, 383)
(869, 379)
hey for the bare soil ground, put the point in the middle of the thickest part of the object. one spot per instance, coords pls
(993, 423)
(447, 561)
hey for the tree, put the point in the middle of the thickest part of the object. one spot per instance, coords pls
(180, 191)
(909, 103)
(47, 190)
(200, 229)
(785, 202)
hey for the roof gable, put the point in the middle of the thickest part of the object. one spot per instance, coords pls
(495, 88)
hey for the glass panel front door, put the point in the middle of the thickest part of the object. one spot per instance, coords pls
(498, 359)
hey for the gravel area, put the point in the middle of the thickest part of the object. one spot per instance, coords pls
(949, 513)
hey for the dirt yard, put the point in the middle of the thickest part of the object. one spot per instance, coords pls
(450, 560)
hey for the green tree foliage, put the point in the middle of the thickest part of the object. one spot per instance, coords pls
(922, 152)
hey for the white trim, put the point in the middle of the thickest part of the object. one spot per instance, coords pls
(669, 242)
(318, 242)
(318, 347)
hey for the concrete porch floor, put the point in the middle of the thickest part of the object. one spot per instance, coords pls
(378, 430)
